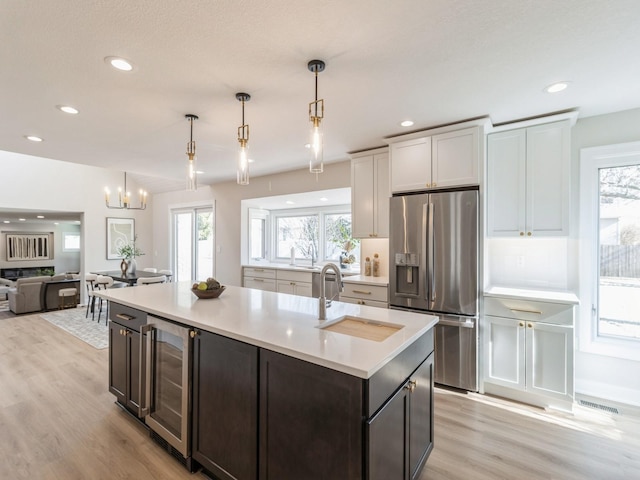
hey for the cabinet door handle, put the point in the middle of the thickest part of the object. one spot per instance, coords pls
(411, 385)
(258, 269)
(530, 325)
(528, 234)
(522, 234)
(536, 312)
(363, 292)
(124, 316)
(143, 410)
(521, 324)
(258, 280)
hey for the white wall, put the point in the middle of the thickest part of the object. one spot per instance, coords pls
(36, 183)
(597, 375)
(62, 261)
(227, 197)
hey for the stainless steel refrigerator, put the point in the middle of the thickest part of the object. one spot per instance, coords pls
(433, 246)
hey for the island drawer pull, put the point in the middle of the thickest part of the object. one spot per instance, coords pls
(362, 292)
(124, 316)
(258, 280)
(525, 311)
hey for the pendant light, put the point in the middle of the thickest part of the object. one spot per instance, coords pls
(124, 198)
(192, 176)
(316, 114)
(243, 140)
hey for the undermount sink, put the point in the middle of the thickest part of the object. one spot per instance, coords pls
(362, 328)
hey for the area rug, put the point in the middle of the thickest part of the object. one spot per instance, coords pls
(72, 320)
(4, 305)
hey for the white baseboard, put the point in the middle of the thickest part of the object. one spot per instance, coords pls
(614, 393)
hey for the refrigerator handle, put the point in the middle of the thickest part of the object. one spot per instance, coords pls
(432, 276)
(423, 257)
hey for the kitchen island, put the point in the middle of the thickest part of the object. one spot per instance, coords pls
(276, 393)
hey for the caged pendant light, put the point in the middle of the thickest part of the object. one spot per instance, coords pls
(243, 140)
(192, 180)
(316, 114)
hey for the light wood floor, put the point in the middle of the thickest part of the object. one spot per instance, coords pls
(58, 421)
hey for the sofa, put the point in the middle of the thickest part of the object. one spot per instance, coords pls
(35, 294)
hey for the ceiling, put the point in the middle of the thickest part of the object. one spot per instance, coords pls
(434, 62)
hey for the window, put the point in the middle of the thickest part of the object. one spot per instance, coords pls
(318, 233)
(299, 232)
(610, 250)
(70, 242)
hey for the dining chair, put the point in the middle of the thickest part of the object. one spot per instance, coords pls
(90, 282)
(168, 274)
(149, 280)
(102, 283)
(150, 269)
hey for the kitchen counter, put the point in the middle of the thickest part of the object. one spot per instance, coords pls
(300, 268)
(280, 322)
(367, 280)
(553, 296)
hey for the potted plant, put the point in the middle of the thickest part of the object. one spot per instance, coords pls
(129, 252)
(347, 258)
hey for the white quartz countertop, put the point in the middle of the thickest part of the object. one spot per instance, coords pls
(300, 268)
(553, 296)
(367, 280)
(280, 322)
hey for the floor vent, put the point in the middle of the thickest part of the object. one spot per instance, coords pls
(584, 403)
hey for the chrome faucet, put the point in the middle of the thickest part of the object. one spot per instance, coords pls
(322, 307)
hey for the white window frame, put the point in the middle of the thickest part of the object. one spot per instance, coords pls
(64, 241)
(294, 212)
(259, 214)
(591, 160)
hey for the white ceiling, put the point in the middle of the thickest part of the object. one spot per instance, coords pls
(432, 61)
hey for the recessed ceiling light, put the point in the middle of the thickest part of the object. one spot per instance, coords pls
(406, 123)
(39, 216)
(324, 199)
(22, 219)
(199, 172)
(67, 109)
(289, 202)
(251, 160)
(33, 138)
(556, 87)
(56, 223)
(6, 221)
(119, 63)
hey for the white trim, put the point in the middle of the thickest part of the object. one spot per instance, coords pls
(592, 159)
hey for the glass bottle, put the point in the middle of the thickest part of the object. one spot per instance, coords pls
(376, 265)
(367, 267)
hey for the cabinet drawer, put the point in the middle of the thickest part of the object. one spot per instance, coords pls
(366, 292)
(529, 310)
(127, 316)
(294, 276)
(259, 272)
(369, 303)
(260, 283)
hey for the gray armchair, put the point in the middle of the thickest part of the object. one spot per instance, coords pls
(28, 295)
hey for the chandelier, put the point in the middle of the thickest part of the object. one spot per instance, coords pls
(124, 198)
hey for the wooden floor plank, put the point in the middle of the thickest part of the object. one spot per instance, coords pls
(58, 421)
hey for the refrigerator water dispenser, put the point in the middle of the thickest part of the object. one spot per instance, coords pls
(407, 274)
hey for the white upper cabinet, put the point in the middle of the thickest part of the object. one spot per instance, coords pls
(448, 159)
(411, 165)
(455, 157)
(370, 195)
(528, 181)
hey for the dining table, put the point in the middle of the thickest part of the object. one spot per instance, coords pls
(129, 278)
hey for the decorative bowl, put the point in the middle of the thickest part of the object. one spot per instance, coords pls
(208, 293)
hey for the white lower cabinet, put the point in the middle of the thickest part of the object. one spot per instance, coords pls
(529, 351)
(259, 278)
(365, 294)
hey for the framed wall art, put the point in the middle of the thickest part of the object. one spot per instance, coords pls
(29, 246)
(120, 232)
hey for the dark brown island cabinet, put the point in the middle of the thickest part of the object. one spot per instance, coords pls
(258, 414)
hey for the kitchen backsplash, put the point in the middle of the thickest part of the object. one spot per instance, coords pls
(371, 246)
(541, 263)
